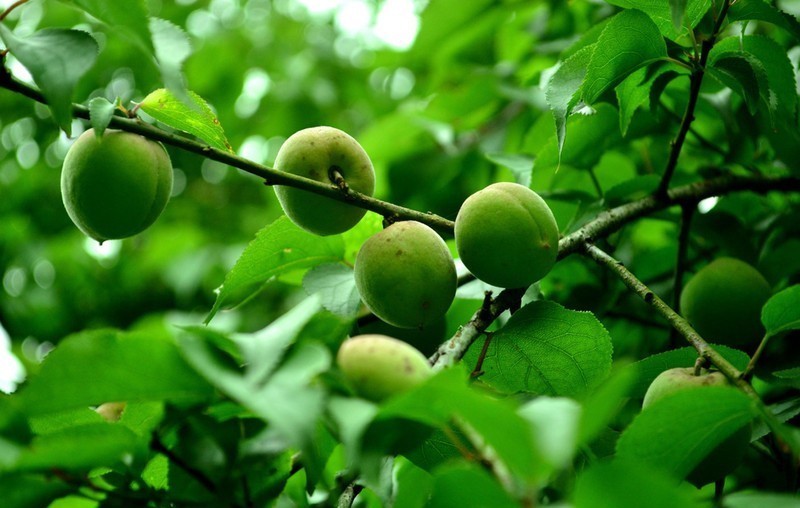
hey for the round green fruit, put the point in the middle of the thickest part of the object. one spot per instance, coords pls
(406, 275)
(116, 185)
(723, 302)
(314, 153)
(379, 367)
(730, 452)
(506, 235)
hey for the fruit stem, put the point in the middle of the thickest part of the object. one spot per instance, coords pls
(699, 364)
(336, 178)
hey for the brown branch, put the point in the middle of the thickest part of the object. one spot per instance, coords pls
(11, 8)
(695, 82)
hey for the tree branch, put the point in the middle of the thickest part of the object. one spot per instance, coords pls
(269, 175)
(695, 82)
(11, 8)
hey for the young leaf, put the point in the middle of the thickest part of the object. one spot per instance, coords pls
(548, 350)
(562, 90)
(99, 366)
(678, 431)
(782, 311)
(56, 59)
(627, 484)
(630, 40)
(336, 287)
(128, 17)
(100, 113)
(745, 10)
(172, 49)
(276, 249)
(196, 117)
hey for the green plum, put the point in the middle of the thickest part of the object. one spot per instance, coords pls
(723, 302)
(379, 367)
(405, 275)
(313, 153)
(506, 235)
(730, 452)
(115, 185)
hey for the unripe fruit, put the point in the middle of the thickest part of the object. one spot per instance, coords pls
(313, 153)
(730, 452)
(117, 185)
(723, 302)
(378, 366)
(406, 275)
(506, 235)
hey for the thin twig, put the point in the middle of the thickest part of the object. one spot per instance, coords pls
(201, 478)
(11, 8)
(751, 365)
(349, 495)
(695, 82)
(271, 176)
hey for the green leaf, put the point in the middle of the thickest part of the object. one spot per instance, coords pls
(548, 350)
(600, 408)
(519, 164)
(29, 490)
(749, 499)
(677, 432)
(172, 48)
(652, 366)
(100, 113)
(630, 40)
(467, 485)
(782, 311)
(562, 90)
(99, 366)
(336, 287)
(278, 248)
(738, 74)
(78, 448)
(678, 8)
(782, 412)
(663, 13)
(635, 90)
(626, 484)
(745, 10)
(554, 424)
(127, 17)
(195, 117)
(56, 59)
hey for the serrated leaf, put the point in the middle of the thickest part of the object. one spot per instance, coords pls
(548, 350)
(782, 311)
(744, 10)
(276, 249)
(650, 367)
(562, 90)
(128, 17)
(172, 48)
(627, 484)
(56, 59)
(336, 287)
(630, 40)
(663, 14)
(100, 113)
(675, 433)
(741, 74)
(196, 118)
(782, 411)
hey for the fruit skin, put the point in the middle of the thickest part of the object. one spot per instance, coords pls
(117, 185)
(378, 366)
(406, 275)
(311, 153)
(730, 452)
(723, 302)
(506, 235)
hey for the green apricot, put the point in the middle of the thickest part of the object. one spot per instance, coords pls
(506, 235)
(117, 185)
(723, 302)
(313, 153)
(406, 275)
(378, 366)
(729, 453)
